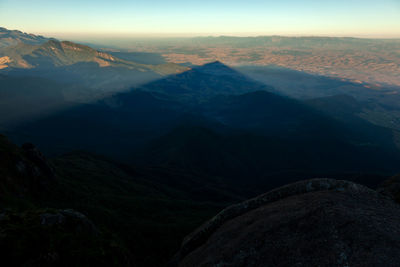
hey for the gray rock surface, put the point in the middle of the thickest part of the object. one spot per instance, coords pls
(320, 222)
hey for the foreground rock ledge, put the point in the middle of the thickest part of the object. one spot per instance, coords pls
(319, 222)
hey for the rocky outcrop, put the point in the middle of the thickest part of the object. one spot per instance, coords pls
(320, 222)
(51, 237)
(24, 171)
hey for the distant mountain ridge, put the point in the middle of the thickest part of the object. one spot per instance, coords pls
(13, 37)
(54, 53)
(68, 62)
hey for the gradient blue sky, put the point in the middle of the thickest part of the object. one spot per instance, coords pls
(58, 18)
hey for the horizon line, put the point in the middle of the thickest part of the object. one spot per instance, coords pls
(163, 35)
(205, 35)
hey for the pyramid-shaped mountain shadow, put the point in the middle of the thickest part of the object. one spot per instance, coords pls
(206, 81)
(118, 124)
(256, 127)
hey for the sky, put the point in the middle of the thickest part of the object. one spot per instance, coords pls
(74, 18)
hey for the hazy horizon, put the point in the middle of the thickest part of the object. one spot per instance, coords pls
(121, 41)
(177, 18)
(82, 36)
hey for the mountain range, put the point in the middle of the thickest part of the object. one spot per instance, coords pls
(54, 53)
(68, 62)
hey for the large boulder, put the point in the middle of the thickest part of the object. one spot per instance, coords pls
(319, 222)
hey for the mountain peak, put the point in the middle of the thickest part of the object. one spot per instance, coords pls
(216, 68)
(217, 62)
